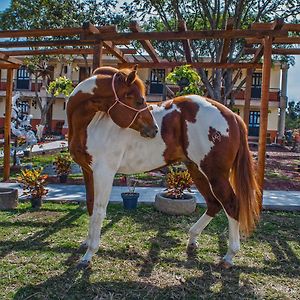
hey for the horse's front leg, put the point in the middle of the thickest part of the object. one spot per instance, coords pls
(103, 179)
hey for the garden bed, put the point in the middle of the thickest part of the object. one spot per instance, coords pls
(142, 256)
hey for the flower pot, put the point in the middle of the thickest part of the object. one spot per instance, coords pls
(8, 198)
(36, 202)
(130, 200)
(171, 206)
(63, 178)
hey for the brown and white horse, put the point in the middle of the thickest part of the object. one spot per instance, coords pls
(209, 138)
(119, 93)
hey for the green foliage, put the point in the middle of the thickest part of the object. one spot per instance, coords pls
(28, 14)
(62, 164)
(188, 74)
(177, 182)
(292, 120)
(33, 182)
(61, 85)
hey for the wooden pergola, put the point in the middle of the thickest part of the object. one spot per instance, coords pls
(90, 39)
(9, 64)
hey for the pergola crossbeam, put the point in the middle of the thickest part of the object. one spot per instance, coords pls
(135, 28)
(208, 65)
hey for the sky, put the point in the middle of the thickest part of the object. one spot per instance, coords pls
(293, 90)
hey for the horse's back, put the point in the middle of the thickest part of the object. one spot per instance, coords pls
(213, 133)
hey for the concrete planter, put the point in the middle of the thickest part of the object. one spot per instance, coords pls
(8, 198)
(171, 206)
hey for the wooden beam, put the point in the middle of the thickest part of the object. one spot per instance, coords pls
(114, 51)
(8, 66)
(7, 124)
(191, 34)
(186, 42)
(41, 32)
(208, 65)
(62, 51)
(49, 52)
(4, 57)
(97, 56)
(53, 43)
(248, 96)
(266, 26)
(277, 40)
(135, 28)
(226, 42)
(258, 54)
(267, 64)
(281, 51)
(90, 28)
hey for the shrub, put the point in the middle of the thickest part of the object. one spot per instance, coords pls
(177, 182)
(62, 164)
(33, 182)
(187, 75)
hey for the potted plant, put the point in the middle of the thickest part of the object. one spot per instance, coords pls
(130, 198)
(34, 185)
(186, 78)
(174, 200)
(62, 165)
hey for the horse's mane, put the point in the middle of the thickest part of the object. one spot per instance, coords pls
(111, 70)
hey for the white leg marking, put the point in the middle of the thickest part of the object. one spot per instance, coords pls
(197, 228)
(234, 240)
(103, 179)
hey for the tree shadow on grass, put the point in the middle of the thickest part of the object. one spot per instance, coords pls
(37, 240)
(213, 283)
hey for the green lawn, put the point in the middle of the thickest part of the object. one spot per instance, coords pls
(143, 257)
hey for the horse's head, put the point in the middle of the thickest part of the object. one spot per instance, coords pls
(130, 108)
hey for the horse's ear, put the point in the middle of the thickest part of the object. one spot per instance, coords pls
(132, 76)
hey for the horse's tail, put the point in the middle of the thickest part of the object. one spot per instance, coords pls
(245, 185)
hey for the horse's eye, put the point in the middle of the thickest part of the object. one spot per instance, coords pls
(140, 101)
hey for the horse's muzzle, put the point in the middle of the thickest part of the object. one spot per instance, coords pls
(149, 132)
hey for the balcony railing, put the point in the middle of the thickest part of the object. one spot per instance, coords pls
(274, 94)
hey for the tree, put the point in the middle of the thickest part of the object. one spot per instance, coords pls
(201, 14)
(292, 120)
(28, 14)
(38, 66)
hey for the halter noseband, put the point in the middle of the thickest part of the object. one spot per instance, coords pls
(117, 100)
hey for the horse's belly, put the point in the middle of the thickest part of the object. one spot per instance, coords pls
(143, 155)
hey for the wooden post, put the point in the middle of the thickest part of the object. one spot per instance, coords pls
(248, 96)
(97, 56)
(264, 111)
(7, 124)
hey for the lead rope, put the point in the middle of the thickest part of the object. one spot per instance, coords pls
(117, 100)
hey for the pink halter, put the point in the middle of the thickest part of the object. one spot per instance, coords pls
(117, 100)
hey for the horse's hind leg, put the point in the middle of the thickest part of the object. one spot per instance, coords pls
(213, 206)
(223, 191)
(103, 179)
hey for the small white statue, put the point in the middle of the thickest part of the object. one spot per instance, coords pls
(20, 125)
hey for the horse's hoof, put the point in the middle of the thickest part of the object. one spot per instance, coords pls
(192, 246)
(84, 264)
(225, 264)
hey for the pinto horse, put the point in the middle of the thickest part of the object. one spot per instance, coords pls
(118, 93)
(208, 137)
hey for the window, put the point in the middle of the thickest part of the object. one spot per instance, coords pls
(23, 79)
(157, 78)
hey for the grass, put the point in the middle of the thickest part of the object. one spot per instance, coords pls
(143, 256)
(276, 174)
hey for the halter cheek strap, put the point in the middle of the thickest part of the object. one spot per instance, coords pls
(117, 100)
